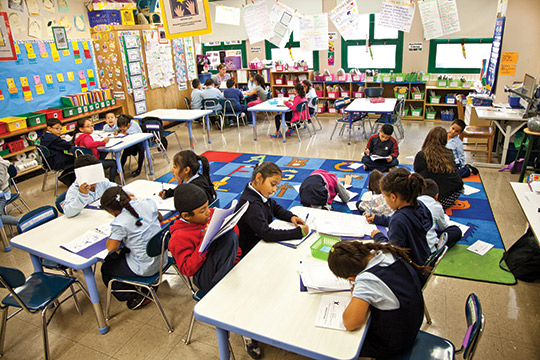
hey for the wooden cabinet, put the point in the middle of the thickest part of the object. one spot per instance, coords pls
(443, 99)
(280, 80)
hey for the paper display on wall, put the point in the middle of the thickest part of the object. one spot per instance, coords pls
(227, 15)
(158, 60)
(179, 63)
(257, 21)
(345, 18)
(189, 50)
(439, 17)
(282, 20)
(397, 14)
(314, 32)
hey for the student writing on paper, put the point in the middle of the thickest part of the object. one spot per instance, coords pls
(83, 137)
(127, 126)
(259, 91)
(292, 116)
(187, 233)
(374, 203)
(185, 169)
(386, 282)
(408, 226)
(320, 188)
(134, 224)
(80, 195)
(456, 145)
(440, 224)
(382, 145)
(254, 224)
(53, 140)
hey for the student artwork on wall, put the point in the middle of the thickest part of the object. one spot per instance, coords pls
(186, 17)
(33, 7)
(180, 63)
(16, 5)
(16, 24)
(48, 5)
(60, 38)
(191, 64)
(34, 27)
(63, 6)
(257, 21)
(282, 20)
(78, 20)
(7, 48)
(130, 42)
(158, 60)
(345, 18)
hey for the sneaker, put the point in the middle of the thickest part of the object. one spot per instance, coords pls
(289, 132)
(252, 348)
(276, 135)
(137, 301)
(474, 170)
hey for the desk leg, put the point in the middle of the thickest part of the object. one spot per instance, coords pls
(148, 158)
(5, 240)
(36, 263)
(350, 126)
(207, 119)
(94, 297)
(223, 343)
(254, 119)
(119, 167)
(190, 135)
(283, 126)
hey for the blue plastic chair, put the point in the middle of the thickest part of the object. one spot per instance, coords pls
(432, 262)
(157, 246)
(344, 120)
(431, 347)
(59, 202)
(37, 293)
(81, 150)
(393, 119)
(44, 153)
(297, 125)
(217, 115)
(15, 193)
(228, 110)
(315, 104)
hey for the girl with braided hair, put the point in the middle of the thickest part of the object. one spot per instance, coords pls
(134, 225)
(387, 284)
(411, 221)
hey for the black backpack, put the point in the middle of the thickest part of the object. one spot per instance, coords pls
(523, 258)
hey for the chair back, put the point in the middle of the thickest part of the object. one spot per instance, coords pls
(12, 171)
(373, 92)
(187, 102)
(59, 202)
(11, 278)
(315, 101)
(269, 95)
(157, 245)
(433, 261)
(211, 104)
(81, 150)
(154, 125)
(342, 103)
(228, 107)
(44, 153)
(400, 106)
(475, 326)
(36, 217)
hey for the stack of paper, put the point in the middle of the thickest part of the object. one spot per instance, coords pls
(330, 314)
(343, 227)
(90, 244)
(317, 277)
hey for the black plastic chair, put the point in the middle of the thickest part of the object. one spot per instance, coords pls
(59, 202)
(44, 153)
(154, 126)
(187, 102)
(81, 150)
(15, 193)
(228, 110)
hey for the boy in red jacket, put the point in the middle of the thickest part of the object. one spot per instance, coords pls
(187, 234)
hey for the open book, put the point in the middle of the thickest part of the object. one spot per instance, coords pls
(222, 221)
(91, 244)
(378, 157)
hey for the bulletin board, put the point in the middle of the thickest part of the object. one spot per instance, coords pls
(38, 64)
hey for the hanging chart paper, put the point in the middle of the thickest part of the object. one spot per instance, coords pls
(227, 15)
(179, 62)
(314, 32)
(345, 18)
(439, 18)
(282, 20)
(158, 60)
(189, 49)
(257, 21)
(397, 14)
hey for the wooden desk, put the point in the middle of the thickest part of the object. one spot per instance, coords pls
(279, 108)
(530, 203)
(260, 298)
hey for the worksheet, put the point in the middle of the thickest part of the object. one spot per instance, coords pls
(330, 314)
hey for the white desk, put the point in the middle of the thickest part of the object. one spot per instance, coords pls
(260, 298)
(365, 106)
(181, 115)
(279, 108)
(530, 203)
(508, 121)
(129, 141)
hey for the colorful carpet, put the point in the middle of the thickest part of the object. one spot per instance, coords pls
(231, 172)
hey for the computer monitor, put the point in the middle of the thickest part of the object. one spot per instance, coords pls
(529, 85)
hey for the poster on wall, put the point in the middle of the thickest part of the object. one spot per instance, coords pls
(332, 37)
(7, 49)
(186, 18)
(158, 60)
(495, 55)
(180, 63)
(191, 64)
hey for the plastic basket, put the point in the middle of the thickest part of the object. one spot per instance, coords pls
(399, 78)
(33, 119)
(417, 96)
(400, 96)
(14, 123)
(321, 248)
(430, 115)
(104, 17)
(358, 94)
(386, 77)
(412, 77)
(333, 94)
(16, 146)
(435, 99)
(442, 83)
(416, 112)
(450, 100)
(454, 84)
(406, 112)
(447, 117)
(424, 77)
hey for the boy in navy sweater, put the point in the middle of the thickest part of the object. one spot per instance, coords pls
(58, 159)
(381, 150)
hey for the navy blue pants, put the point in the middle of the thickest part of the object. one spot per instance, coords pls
(137, 149)
(454, 235)
(464, 171)
(381, 165)
(115, 265)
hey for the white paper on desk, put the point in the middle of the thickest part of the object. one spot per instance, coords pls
(352, 194)
(330, 314)
(345, 227)
(164, 204)
(480, 247)
(84, 241)
(113, 142)
(355, 165)
(91, 174)
(469, 190)
(378, 157)
(535, 185)
(317, 277)
(352, 206)
(222, 221)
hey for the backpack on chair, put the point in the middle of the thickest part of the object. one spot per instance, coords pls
(522, 259)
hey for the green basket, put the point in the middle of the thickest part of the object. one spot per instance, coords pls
(435, 99)
(386, 77)
(4, 152)
(454, 84)
(431, 115)
(400, 96)
(406, 112)
(322, 246)
(412, 77)
(417, 96)
(399, 78)
(70, 111)
(424, 77)
(416, 112)
(442, 83)
(33, 119)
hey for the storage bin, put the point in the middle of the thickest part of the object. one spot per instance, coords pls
(4, 152)
(333, 94)
(113, 101)
(282, 67)
(97, 106)
(279, 81)
(399, 78)
(416, 112)
(386, 77)
(466, 84)
(33, 119)
(321, 108)
(91, 107)
(342, 78)
(450, 100)
(329, 77)
(370, 78)
(104, 17)
(319, 93)
(358, 94)
(430, 115)
(447, 117)
(400, 96)
(16, 146)
(127, 17)
(513, 101)
(344, 94)
(454, 84)
(319, 78)
(435, 99)
(85, 108)
(442, 83)
(3, 127)
(69, 127)
(360, 77)
(412, 77)
(406, 112)
(331, 110)
(107, 102)
(102, 104)
(52, 113)
(321, 248)
(417, 96)
(204, 77)
(425, 77)
(70, 111)
(14, 123)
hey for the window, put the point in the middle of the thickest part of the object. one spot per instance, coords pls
(386, 47)
(275, 53)
(446, 56)
(222, 49)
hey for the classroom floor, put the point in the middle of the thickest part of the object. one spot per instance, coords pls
(512, 317)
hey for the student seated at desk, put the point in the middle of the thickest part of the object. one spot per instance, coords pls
(408, 226)
(54, 141)
(310, 95)
(232, 93)
(386, 282)
(259, 91)
(212, 93)
(250, 86)
(185, 169)
(320, 188)
(128, 126)
(83, 137)
(254, 224)
(80, 195)
(440, 223)
(134, 224)
(196, 95)
(110, 123)
(456, 145)
(383, 145)
(436, 162)
(292, 116)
